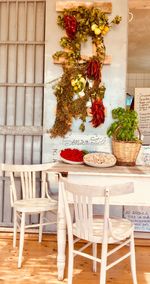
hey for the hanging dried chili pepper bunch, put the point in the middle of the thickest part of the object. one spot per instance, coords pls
(80, 91)
(97, 109)
(94, 69)
(70, 23)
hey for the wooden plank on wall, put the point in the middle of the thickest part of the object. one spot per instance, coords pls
(106, 7)
(11, 1)
(37, 144)
(61, 60)
(7, 211)
(22, 130)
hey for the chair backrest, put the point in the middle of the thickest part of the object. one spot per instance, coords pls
(28, 176)
(83, 196)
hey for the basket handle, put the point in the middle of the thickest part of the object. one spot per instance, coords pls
(119, 126)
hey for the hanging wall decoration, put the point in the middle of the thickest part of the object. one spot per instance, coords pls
(80, 91)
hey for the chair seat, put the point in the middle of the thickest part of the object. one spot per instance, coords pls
(35, 205)
(120, 229)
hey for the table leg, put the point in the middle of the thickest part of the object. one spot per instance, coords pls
(61, 235)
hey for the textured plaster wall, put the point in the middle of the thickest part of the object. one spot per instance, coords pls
(114, 75)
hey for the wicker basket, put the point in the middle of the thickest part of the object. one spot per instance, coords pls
(126, 152)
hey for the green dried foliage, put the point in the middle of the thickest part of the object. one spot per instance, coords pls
(67, 107)
(86, 17)
(91, 22)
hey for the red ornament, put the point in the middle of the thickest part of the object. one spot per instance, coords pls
(70, 23)
(93, 69)
(98, 113)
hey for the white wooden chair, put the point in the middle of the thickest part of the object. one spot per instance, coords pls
(104, 230)
(33, 198)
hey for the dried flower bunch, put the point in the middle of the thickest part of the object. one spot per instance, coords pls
(80, 91)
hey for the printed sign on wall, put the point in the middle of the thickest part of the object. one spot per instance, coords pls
(143, 158)
(140, 216)
(142, 106)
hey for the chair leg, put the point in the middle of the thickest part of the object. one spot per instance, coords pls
(94, 248)
(41, 227)
(103, 264)
(132, 259)
(70, 262)
(22, 228)
(15, 229)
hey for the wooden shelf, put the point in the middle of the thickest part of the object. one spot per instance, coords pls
(106, 7)
(61, 60)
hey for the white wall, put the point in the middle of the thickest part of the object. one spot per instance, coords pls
(114, 75)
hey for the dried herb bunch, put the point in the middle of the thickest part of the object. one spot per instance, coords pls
(80, 91)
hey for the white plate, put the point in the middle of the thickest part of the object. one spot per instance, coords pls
(71, 162)
(100, 160)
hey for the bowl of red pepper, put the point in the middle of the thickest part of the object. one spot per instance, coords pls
(72, 156)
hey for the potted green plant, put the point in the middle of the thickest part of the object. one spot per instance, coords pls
(126, 137)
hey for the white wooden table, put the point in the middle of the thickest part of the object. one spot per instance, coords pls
(140, 175)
